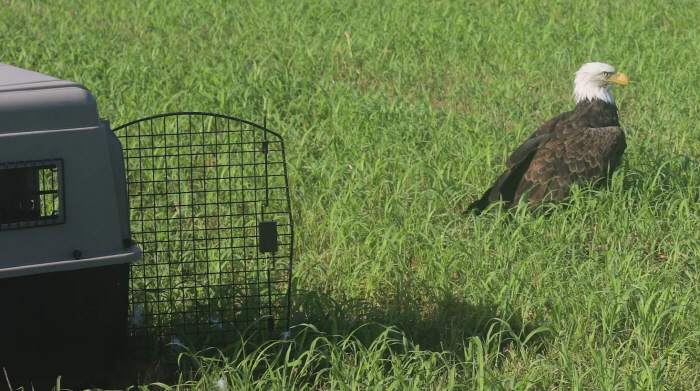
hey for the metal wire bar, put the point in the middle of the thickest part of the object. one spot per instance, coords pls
(199, 184)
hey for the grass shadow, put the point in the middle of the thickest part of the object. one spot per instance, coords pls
(429, 323)
(436, 324)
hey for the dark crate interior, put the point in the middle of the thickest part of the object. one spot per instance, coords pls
(30, 193)
(65, 327)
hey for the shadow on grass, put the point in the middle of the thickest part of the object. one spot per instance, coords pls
(444, 324)
(428, 323)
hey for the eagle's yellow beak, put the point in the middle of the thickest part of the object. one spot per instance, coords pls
(619, 78)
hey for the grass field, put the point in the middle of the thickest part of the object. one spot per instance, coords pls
(395, 116)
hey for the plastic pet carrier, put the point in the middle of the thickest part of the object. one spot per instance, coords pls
(65, 241)
(172, 229)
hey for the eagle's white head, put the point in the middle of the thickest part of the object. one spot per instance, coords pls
(593, 81)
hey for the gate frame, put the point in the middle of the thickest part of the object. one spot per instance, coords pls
(265, 131)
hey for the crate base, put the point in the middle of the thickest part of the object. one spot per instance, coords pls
(71, 324)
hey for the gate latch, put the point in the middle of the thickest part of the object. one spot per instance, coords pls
(267, 236)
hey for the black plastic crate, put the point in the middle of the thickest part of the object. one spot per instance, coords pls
(71, 324)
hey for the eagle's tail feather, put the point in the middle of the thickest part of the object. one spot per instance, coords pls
(479, 205)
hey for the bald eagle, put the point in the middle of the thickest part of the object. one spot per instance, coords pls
(578, 146)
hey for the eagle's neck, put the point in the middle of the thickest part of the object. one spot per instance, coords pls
(596, 113)
(587, 89)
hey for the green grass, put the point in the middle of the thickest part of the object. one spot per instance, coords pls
(395, 115)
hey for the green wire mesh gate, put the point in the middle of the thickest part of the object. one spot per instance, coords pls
(210, 209)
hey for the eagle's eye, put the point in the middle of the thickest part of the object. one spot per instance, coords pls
(607, 74)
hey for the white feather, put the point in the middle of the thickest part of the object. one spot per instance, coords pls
(137, 318)
(590, 83)
(221, 384)
(175, 345)
(216, 323)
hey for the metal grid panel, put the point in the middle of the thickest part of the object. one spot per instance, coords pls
(199, 187)
(31, 194)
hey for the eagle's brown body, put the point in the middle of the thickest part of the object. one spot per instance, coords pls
(583, 145)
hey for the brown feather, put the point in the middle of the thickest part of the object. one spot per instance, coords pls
(583, 145)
